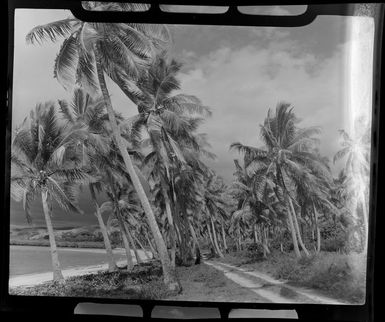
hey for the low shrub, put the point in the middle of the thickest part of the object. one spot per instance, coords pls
(334, 237)
(338, 275)
(254, 252)
(285, 240)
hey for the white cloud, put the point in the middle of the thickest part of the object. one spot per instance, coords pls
(240, 85)
(239, 82)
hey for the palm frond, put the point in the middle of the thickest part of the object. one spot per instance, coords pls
(66, 62)
(341, 154)
(51, 31)
(66, 111)
(76, 175)
(107, 206)
(61, 197)
(182, 103)
(86, 73)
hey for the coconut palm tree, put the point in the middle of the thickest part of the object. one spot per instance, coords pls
(113, 181)
(286, 160)
(257, 203)
(170, 122)
(84, 111)
(45, 163)
(118, 207)
(122, 51)
(356, 150)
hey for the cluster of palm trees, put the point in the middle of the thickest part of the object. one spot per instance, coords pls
(146, 165)
(147, 172)
(287, 187)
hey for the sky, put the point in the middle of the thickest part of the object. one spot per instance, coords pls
(239, 72)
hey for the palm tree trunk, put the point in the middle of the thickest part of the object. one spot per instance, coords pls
(215, 239)
(224, 238)
(181, 223)
(266, 240)
(153, 250)
(240, 240)
(133, 246)
(265, 247)
(197, 250)
(169, 274)
(57, 273)
(141, 247)
(211, 238)
(171, 225)
(130, 263)
(293, 234)
(178, 235)
(297, 229)
(317, 229)
(107, 245)
(255, 233)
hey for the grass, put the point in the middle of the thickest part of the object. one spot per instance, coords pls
(205, 283)
(199, 283)
(340, 276)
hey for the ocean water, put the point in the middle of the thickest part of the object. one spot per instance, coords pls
(33, 259)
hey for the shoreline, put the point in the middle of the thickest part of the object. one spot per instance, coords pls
(30, 280)
(61, 244)
(68, 248)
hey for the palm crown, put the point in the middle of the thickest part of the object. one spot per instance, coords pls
(44, 159)
(125, 49)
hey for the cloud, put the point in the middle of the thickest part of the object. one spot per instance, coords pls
(239, 72)
(240, 85)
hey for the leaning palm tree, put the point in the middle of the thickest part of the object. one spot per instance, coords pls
(122, 51)
(170, 121)
(44, 163)
(287, 160)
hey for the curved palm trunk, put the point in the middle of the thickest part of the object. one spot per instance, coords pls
(181, 223)
(297, 229)
(132, 243)
(293, 233)
(224, 238)
(238, 240)
(317, 229)
(171, 225)
(57, 273)
(215, 239)
(211, 238)
(130, 263)
(107, 245)
(265, 246)
(255, 233)
(196, 244)
(169, 274)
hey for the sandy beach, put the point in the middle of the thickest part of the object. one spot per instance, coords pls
(38, 278)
